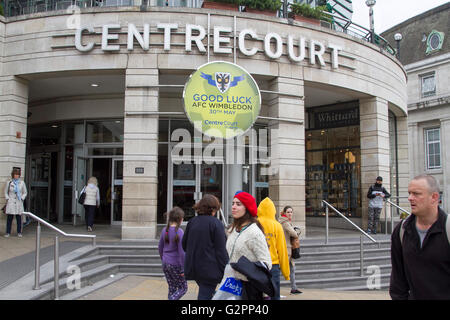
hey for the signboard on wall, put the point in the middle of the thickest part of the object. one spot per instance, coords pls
(336, 118)
(221, 99)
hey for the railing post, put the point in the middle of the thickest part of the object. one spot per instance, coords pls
(361, 255)
(326, 224)
(392, 221)
(37, 266)
(56, 268)
(385, 217)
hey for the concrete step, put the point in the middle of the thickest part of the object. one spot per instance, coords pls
(90, 277)
(333, 266)
(336, 283)
(355, 253)
(341, 263)
(93, 262)
(341, 272)
(342, 246)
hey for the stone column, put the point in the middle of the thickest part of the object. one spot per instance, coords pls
(414, 149)
(13, 131)
(140, 150)
(445, 161)
(287, 148)
(375, 161)
(403, 161)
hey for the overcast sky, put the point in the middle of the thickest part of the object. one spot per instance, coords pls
(388, 13)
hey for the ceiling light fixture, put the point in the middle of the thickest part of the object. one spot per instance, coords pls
(94, 85)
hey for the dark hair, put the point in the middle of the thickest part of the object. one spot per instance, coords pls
(287, 207)
(207, 205)
(247, 217)
(174, 216)
(15, 171)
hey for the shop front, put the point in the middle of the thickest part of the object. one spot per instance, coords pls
(111, 105)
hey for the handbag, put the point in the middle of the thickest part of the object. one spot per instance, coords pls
(295, 253)
(231, 288)
(295, 242)
(82, 196)
(4, 209)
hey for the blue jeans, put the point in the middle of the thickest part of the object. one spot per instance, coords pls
(292, 274)
(9, 223)
(205, 291)
(276, 274)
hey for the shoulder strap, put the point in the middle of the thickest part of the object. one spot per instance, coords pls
(402, 231)
(447, 228)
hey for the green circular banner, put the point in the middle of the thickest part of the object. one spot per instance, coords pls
(221, 99)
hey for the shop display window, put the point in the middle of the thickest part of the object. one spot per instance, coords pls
(333, 170)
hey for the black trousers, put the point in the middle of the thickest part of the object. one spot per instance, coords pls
(89, 212)
(9, 223)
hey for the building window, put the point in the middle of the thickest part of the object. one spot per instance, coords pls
(433, 147)
(428, 85)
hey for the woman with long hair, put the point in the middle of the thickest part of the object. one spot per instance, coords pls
(172, 254)
(246, 238)
(290, 234)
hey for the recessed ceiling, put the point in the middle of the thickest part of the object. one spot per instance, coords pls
(61, 86)
(69, 86)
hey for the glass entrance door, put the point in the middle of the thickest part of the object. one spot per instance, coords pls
(191, 181)
(40, 184)
(116, 191)
(184, 193)
(211, 180)
(82, 171)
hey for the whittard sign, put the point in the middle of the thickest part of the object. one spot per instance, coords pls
(194, 35)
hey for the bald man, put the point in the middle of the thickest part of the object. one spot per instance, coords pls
(420, 253)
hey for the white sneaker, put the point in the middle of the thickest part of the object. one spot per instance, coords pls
(19, 235)
(89, 229)
(6, 235)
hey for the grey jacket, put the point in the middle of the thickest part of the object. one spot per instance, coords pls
(376, 201)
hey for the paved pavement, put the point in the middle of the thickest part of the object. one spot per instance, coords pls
(17, 259)
(147, 288)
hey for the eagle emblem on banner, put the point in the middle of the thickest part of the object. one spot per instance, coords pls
(222, 81)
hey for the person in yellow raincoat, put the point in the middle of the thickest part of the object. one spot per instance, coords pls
(276, 241)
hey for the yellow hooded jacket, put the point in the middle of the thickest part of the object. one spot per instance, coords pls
(274, 235)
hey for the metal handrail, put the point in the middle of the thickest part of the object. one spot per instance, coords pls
(361, 239)
(347, 219)
(392, 215)
(221, 215)
(56, 251)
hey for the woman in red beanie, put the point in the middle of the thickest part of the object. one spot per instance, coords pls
(246, 238)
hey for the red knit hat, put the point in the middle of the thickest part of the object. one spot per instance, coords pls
(248, 201)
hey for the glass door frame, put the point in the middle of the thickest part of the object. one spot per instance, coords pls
(30, 178)
(77, 211)
(197, 193)
(76, 207)
(113, 193)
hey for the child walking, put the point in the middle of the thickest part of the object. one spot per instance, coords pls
(172, 254)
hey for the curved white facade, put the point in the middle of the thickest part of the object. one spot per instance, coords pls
(142, 59)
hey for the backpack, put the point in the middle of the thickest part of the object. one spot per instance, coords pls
(447, 230)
